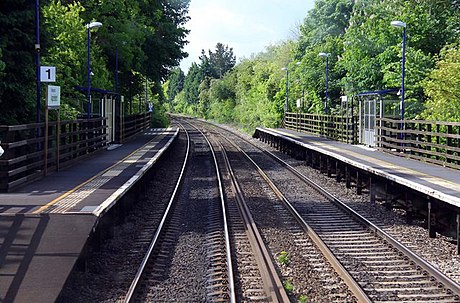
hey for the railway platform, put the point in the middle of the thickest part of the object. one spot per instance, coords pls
(426, 191)
(45, 225)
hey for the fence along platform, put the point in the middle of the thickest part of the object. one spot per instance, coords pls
(43, 241)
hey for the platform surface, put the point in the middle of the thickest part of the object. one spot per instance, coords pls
(44, 225)
(440, 182)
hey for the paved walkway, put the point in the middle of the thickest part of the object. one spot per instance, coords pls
(45, 225)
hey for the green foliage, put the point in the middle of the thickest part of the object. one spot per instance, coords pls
(192, 83)
(67, 50)
(159, 118)
(365, 55)
(2, 64)
(143, 38)
(288, 286)
(303, 299)
(283, 258)
(442, 87)
(17, 80)
(175, 83)
(219, 62)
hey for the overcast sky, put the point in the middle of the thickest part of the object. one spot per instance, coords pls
(248, 26)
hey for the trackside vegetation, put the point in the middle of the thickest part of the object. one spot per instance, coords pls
(138, 44)
(365, 55)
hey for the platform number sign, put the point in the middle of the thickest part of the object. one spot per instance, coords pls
(47, 74)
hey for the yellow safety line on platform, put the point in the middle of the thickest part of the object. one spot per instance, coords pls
(384, 164)
(49, 204)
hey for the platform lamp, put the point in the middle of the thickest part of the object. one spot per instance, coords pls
(326, 55)
(286, 68)
(89, 26)
(403, 25)
(287, 89)
(37, 68)
(37, 61)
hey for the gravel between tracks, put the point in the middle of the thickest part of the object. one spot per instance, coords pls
(104, 283)
(110, 268)
(438, 251)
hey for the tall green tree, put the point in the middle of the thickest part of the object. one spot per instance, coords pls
(322, 31)
(2, 64)
(175, 83)
(67, 51)
(372, 56)
(192, 84)
(217, 63)
(149, 36)
(17, 81)
(443, 87)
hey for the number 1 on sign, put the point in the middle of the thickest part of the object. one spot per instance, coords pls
(47, 74)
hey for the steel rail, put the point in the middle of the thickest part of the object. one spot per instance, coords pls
(231, 283)
(272, 283)
(354, 287)
(441, 277)
(129, 297)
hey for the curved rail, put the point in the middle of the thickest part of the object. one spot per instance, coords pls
(354, 287)
(272, 283)
(231, 282)
(135, 283)
(441, 277)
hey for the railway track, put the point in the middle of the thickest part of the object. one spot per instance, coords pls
(256, 275)
(188, 256)
(255, 271)
(383, 268)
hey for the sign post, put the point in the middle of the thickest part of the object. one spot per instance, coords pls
(53, 98)
(53, 101)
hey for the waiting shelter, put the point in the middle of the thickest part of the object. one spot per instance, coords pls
(372, 105)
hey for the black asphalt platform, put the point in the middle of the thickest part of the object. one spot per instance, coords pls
(440, 182)
(44, 225)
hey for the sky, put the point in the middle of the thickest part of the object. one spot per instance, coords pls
(247, 26)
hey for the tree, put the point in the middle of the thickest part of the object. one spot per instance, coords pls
(219, 62)
(372, 55)
(443, 87)
(67, 51)
(149, 36)
(17, 81)
(2, 64)
(328, 18)
(192, 83)
(175, 83)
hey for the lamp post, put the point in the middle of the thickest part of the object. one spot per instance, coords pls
(37, 61)
(403, 25)
(287, 89)
(326, 55)
(286, 68)
(89, 26)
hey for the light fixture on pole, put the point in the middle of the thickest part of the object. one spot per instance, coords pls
(89, 26)
(326, 55)
(403, 25)
(286, 68)
(37, 62)
(287, 89)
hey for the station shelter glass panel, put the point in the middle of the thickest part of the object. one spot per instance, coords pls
(373, 105)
